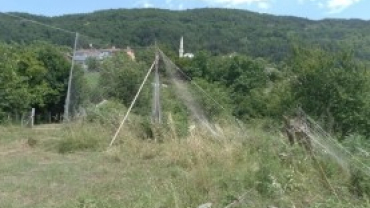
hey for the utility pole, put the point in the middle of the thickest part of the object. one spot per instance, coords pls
(156, 117)
(68, 97)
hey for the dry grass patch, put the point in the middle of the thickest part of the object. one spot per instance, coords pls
(242, 168)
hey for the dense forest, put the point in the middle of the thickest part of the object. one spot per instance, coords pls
(220, 31)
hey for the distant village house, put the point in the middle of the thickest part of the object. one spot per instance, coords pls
(81, 57)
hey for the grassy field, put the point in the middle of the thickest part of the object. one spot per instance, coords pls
(70, 166)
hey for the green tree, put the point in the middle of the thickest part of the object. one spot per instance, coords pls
(331, 86)
(13, 85)
(52, 82)
(121, 78)
(32, 76)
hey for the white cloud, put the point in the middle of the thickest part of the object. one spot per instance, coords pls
(144, 4)
(233, 3)
(321, 5)
(263, 5)
(237, 2)
(147, 5)
(333, 6)
(337, 6)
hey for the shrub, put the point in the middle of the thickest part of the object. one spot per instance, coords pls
(359, 183)
(331, 86)
(107, 112)
(86, 138)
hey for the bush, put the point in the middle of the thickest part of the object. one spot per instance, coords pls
(70, 145)
(359, 183)
(83, 138)
(332, 87)
(107, 112)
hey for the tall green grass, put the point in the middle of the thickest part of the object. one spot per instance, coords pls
(247, 167)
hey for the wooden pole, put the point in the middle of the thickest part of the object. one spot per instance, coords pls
(68, 97)
(156, 111)
(32, 117)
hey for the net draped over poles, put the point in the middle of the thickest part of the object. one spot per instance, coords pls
(85, 86)
(156, 109)
(67, 105)
(106, 84)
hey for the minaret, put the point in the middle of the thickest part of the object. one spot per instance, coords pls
(181, 51)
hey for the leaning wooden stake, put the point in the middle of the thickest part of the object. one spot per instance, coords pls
(132, 105)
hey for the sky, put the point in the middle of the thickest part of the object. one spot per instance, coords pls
(312, 9)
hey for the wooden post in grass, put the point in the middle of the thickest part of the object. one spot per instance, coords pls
(32, 118)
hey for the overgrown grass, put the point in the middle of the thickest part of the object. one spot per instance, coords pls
(246, 168)
(82, 138)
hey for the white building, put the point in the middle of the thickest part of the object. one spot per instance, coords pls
(181, 50)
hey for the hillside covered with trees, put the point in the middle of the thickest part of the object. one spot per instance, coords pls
(219, 138)
(220, 31)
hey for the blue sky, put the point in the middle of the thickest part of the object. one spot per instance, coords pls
(312, 9)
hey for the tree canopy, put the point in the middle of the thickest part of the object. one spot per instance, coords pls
(32, 76)
(219, 31)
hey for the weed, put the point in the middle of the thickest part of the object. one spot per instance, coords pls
(245, 168)
(359, 183)
(82, 138)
